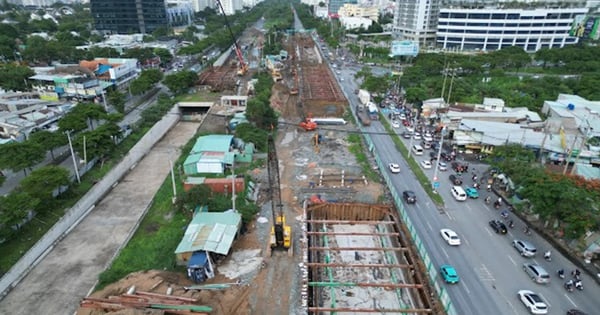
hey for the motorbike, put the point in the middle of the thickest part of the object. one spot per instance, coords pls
(527, 231)
(569, 286)
(496, 204)
(511, 224)
(561, 273)
(547, 257)
(579, 285)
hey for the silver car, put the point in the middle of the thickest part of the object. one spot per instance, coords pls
(525, 248)
(536, 273)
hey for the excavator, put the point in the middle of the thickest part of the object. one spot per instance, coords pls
(242, 65)
(281, 233)
(308, 124)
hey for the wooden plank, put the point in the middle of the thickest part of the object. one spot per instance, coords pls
(167, 297)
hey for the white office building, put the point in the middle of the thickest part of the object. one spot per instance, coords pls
(416, 20)
(487, 29)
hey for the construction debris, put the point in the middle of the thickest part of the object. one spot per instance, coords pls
(168, 304)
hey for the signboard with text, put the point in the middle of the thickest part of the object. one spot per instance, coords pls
(404, 48)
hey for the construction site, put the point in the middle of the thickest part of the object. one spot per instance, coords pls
(349, 253)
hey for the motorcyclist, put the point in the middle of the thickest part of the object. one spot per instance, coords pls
(504, 214)
(561, 273)
(548, 255)
(578, 284)
(569, 285)
(511, 224)
(488, 199)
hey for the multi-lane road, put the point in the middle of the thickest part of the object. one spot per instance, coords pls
(490, 268)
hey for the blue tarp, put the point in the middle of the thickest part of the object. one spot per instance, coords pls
(103, 69)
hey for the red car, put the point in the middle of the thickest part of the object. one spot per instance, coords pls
(406, 123)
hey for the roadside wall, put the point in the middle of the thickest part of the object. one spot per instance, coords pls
(87, 203)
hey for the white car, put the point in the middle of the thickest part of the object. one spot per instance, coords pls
(533, 302)
(426, 164)
(442, 166)
(450, 237)
(410, 129)
(428, 137)
(395, 124)
(417, 136)
(394, 168)
(402, 116)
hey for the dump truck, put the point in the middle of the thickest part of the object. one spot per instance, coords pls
(364, 96)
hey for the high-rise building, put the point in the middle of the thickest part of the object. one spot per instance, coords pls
(129, 16)
(416, 20)
(335, 5)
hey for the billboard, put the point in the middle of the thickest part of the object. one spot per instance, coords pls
(404, 48)
(585, 26)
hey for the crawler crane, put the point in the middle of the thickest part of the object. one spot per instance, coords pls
(242, 66)
(281, 233)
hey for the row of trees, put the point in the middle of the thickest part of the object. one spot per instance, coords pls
(89, 125)
(570, 201)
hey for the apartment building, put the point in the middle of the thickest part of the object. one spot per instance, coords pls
(493, 28)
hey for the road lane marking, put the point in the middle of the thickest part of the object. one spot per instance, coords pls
(485, 274)
(449, 216)
(568, 298)
(429, 226)
(466, 287)
(511, 260)
(489, 232)
(445, 253)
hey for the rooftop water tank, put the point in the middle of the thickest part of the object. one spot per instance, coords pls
(571, 106)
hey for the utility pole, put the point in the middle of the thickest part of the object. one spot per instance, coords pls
(543, 142)
(451, 82)
(435, 182)
(444, 83)
(174, 199)
(569, 155)
(76, 167)
(583, 141)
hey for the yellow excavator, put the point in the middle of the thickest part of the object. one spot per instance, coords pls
(281, 233)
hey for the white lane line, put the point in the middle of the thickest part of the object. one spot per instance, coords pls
(489, 232)
(568, 298)
(429, 226)
(512, 306)
(445, 253)
(511, 260)
(449, 216)
(466, 287)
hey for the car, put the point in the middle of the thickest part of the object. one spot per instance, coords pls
(450, 237)
(426, 144)
(409, 196)
(406, 123)
(402, 116)
(395, 124)
(426, 164)
(525, 248)
(498, 226)
(417, 136)
(442, 166)
(406, 135)
(575, 312)
(394, 168)
(446, 156)
(410, 129)
(456, 180)
(533, 302)
(537, 273)
(472, 193)
(433, 155)
(449, 274)
(428, 137)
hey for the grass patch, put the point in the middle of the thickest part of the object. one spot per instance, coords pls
(412, 163)
(356, 148)
(205, 96)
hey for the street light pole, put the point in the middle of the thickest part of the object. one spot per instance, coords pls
(435, 182)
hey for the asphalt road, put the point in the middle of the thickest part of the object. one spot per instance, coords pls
(490, 268)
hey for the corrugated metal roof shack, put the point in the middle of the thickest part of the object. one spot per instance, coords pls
(208, 233)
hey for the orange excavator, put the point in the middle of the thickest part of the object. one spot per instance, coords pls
(308, 124)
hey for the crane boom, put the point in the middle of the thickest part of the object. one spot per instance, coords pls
(281, 234)
(243, 66)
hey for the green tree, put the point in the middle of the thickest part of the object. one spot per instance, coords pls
(98, 143)
(117, 100)
(19, 156)
(42, 182)
(14, 77)
(49, 140)
(164, 54)
(180, 82)
(15, 208)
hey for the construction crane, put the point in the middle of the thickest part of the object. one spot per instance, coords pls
(281, 234)
(242, 66)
